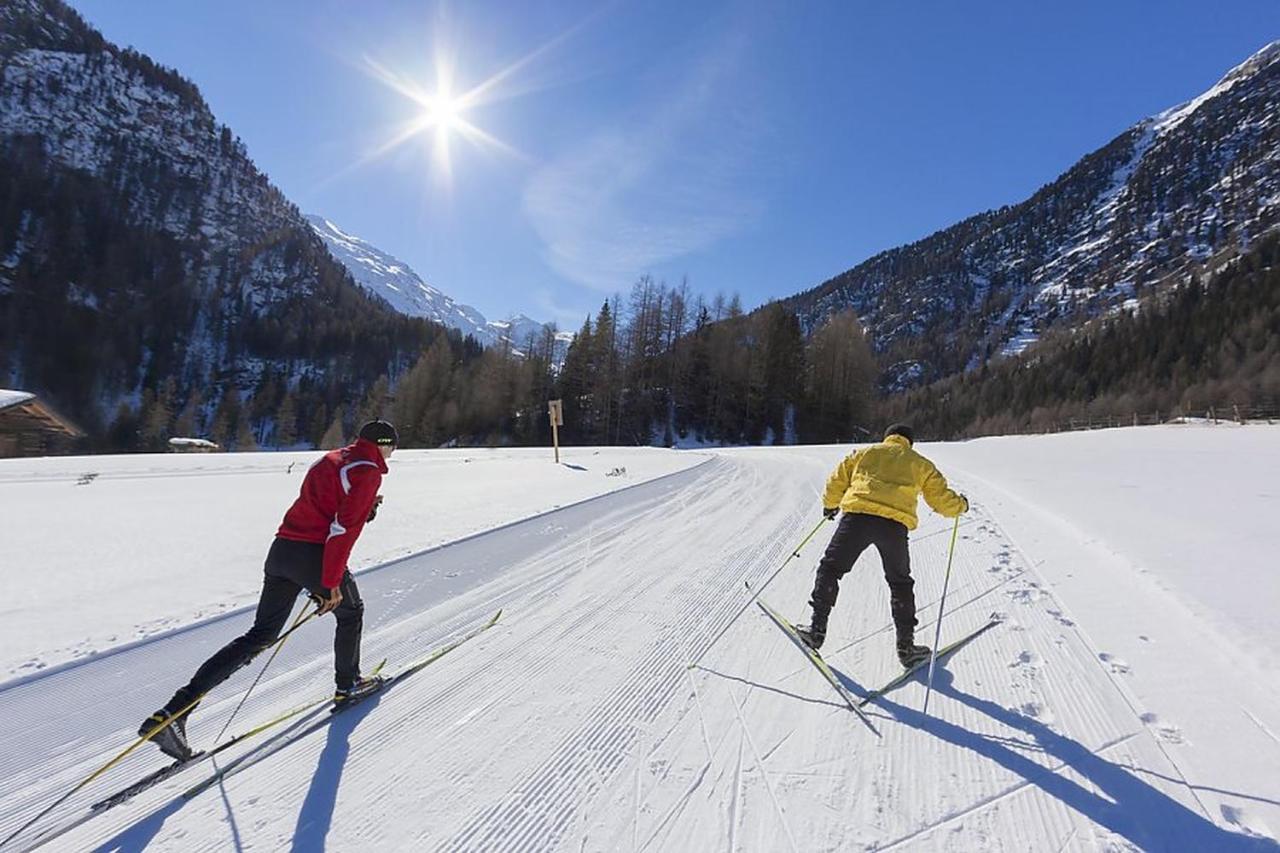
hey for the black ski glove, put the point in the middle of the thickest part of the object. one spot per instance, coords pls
(830, 512)
(966, 504)
(373, 510)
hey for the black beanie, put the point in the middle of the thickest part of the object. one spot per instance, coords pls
(903, 430)
(380, 433)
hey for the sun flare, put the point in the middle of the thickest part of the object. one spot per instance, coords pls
(441, 114)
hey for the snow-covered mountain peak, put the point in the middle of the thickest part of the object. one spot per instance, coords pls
(1166, 121)
(396, 282)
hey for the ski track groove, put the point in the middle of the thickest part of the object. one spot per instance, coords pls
(651, 683)
(609, 747)
(1014, 656)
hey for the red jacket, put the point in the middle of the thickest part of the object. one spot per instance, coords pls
(334, 504)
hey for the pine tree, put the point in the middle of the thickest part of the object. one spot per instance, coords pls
(286, 433)
(336, 435)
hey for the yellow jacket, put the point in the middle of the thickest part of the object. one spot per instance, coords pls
(887, 479)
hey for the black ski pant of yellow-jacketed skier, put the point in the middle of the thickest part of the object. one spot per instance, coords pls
(290, 568)
(853, 535)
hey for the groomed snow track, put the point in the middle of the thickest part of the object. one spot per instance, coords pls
(576, 723)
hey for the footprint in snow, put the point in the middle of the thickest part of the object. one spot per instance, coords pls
(1237, 816)
(1031, 709)
(1026, 660)
(1062, 620)
(1167, 732)
(1026, 594)
(1116, 664)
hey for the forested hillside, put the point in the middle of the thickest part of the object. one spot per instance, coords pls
(1205, 343)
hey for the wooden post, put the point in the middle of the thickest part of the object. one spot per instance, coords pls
(555, 411)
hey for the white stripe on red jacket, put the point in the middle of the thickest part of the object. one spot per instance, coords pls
(334, 503)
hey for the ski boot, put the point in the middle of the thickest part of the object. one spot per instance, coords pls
(361, 689)
(814, 633)
(172, 739)
(908, 652)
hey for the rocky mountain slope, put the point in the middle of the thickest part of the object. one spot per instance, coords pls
(143, 253)
(1179, 190)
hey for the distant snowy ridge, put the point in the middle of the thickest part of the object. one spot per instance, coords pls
(392, 279)
(1190, 186)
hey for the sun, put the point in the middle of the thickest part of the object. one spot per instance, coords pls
(440, 117)
(445, 113)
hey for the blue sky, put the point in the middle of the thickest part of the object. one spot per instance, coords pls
(749, 147)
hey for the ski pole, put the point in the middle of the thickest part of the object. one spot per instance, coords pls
(303, 616)
(942, 606)
(120, 756)
(755, 593)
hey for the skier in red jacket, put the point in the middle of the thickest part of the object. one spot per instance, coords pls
(339, 496)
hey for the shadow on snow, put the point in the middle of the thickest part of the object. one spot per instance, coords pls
(1124, 804)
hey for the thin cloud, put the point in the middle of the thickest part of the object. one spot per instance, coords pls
(651, 189)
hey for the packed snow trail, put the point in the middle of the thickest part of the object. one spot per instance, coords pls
(576, 724)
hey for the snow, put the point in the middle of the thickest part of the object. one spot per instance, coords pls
(1168, 120)
(208, 518)
(12, 398)
(1126, 701)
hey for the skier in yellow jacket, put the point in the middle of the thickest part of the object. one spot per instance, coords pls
(877, 488)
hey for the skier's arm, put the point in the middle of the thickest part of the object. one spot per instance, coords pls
(838, 483)
(353, 513)
(940, 497)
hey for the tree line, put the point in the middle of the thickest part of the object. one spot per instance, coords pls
(663, 367)
(1210, 342)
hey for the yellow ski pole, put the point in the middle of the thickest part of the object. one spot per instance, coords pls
(303, 616)
(120, 756)
(755, 593)
(942, 606)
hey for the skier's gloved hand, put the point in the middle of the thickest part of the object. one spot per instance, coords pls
(966, 504)
(373, 510)
(830, 512)
(328, 602)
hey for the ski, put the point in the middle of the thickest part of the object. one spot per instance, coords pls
(916, 667)
(816, 660)
(249, 759)
(148, 781)
(169, 771)
(120, 756)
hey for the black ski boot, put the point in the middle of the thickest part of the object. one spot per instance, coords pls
(363, 688)
(814, 633)
(172, 739)
(910, 654)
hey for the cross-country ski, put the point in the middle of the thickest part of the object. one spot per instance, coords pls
(639, 427)
(817, 661)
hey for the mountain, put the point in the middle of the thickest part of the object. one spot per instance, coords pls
(1185, 189)
(147, 265)
(395, 281)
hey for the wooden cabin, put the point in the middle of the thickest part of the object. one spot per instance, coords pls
(29, 427)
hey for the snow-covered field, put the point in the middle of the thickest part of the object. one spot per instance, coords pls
(1127, 701)
(112, 549)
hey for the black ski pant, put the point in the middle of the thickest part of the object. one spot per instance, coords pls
(854, 533)
(290, 568)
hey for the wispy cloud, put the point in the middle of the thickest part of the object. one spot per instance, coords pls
(650, 188)
(566, 317)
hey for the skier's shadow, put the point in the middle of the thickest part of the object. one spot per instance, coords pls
(1124, 804)
(138, 835)
(315, 818)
